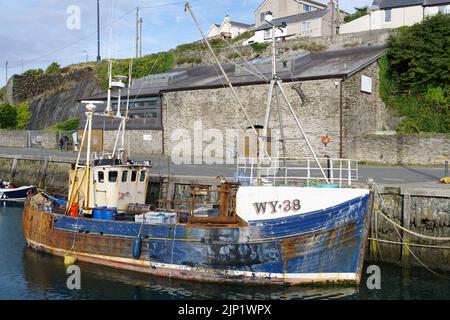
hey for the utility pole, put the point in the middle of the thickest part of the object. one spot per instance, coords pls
(137, 32)
(140, 37)
(338, 17)
(98, 31)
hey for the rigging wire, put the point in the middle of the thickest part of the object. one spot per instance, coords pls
(128, 12)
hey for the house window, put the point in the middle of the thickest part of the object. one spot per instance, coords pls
(306, 8)
(267, 34)
(306, 25)
(388, 15)
(101, 177)
(142, 177)
(133, 176)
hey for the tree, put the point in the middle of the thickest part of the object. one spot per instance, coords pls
(33, 72)
(53, 67)
(419, 55)
(358, 14)
(8, 116)
(23, 115)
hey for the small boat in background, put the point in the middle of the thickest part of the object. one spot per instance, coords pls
(16, 194)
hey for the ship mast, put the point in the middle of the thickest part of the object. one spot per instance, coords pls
(275, 85)
(230, 85)
(76, 183)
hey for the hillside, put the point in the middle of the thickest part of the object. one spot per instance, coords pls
(52, 95)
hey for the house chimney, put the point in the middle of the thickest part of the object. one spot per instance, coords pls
(332, 14)
(330, 4)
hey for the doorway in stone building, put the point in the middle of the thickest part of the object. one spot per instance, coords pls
(251, 145)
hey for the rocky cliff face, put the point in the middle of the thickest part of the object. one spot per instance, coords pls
(52, 97)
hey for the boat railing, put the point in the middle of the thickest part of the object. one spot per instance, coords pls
(292, 170)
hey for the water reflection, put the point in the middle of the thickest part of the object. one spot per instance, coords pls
(28, 274)
(47, 273)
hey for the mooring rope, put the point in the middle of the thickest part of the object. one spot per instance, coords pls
(403, 228)
(409, 243)
(403, 242)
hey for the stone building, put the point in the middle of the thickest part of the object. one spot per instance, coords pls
(333, 92)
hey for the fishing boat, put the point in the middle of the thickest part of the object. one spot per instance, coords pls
(264, 230)
(16, 194)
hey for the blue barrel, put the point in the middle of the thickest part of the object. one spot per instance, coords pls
(109, 213)
(97, 213)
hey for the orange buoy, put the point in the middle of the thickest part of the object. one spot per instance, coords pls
(325, 139)
(74, 210)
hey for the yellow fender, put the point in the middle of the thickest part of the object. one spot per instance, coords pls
(69, 260)
(445, 180)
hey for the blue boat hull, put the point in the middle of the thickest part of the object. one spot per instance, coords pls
(322, 246)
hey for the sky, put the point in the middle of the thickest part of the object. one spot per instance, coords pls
(36, 33)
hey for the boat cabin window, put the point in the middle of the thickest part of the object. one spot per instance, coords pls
(101, 176)
(133, 176)
(124, 176)
(142, 177)
(112, 176)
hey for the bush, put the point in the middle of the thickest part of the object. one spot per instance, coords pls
(23, 115)
(258, 47)
(8, 116)
(233, 56)
(419, 55)
(414, 77)
(243, 36)
(33, 72)
(151, 64)
(195, 60)
(52, 68)
(69, 125)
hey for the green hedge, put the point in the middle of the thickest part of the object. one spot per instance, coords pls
(151, 64)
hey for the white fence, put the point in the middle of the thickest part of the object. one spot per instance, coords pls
(284, 171)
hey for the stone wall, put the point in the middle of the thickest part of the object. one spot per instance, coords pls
(51, 175)
(363, 113)
(52, 97)
(14, 138)
(148, 142)
(425, 211)
(217, 109)
(401, 149)
(296, 45)
(27, 138)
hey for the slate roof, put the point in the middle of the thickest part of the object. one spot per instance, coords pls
(240, 24)
(435, 2)
(387, 4)
(294, 18)
(323, 65)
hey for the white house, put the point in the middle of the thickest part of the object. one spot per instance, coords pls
(304, 19)
(391, 14)
(228, 29)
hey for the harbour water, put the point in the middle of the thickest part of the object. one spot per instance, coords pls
(27, 274)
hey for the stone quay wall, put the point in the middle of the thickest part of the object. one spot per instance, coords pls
(425, 211)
